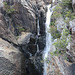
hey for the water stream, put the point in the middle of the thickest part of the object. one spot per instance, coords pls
(48, 36)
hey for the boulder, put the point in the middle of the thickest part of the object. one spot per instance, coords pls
(12, 61)
(24, 38)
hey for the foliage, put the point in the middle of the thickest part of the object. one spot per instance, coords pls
(72, 16)
(56, 15)
(58, 8)
(9, 9)
(52, 23)
(68, 13)
(64, 9)
(57, 12)
(62, 42)
(66, 3)
(21, 29)
(67, 21)
(53, 30)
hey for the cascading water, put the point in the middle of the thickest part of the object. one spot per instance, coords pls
(38, 28)
(38, 33)
(48, 37)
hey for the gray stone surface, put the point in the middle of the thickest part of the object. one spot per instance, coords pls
(12, 61)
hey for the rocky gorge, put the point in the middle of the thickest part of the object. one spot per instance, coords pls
(23, 38)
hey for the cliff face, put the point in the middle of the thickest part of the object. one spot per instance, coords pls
(18, 36)
(22, 18)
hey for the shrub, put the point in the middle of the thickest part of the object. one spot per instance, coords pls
(62, 42)
(9, 9)
(52, 23)
(55, 34)
(21, 29)
(72, 16)
(57, 12)
(68, 13)
(67, 21)
(66, 3)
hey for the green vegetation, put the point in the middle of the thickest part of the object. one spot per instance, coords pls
(57, 12)
(61, 43)
(54, 32)
(9, 9)
(62, 10)
(21, 29)
(66, 3)
(52, 23)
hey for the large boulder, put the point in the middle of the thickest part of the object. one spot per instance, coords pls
(12, 61)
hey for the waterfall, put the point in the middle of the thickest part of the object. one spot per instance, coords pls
(48, 37)
(38, 33)
(38, 28)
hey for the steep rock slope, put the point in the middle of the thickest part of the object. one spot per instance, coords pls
(18, 36)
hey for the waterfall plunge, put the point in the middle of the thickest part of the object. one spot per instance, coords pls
(48, 37)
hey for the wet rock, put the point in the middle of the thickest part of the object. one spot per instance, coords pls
(32, 48)
(42, 23)
(33, 39)
(41, 43)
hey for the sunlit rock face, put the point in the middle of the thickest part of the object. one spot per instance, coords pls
(12, 61)
(16, 28)
(23, 19)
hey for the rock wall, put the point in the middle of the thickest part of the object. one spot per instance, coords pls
(12, 61)
(18, 36)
